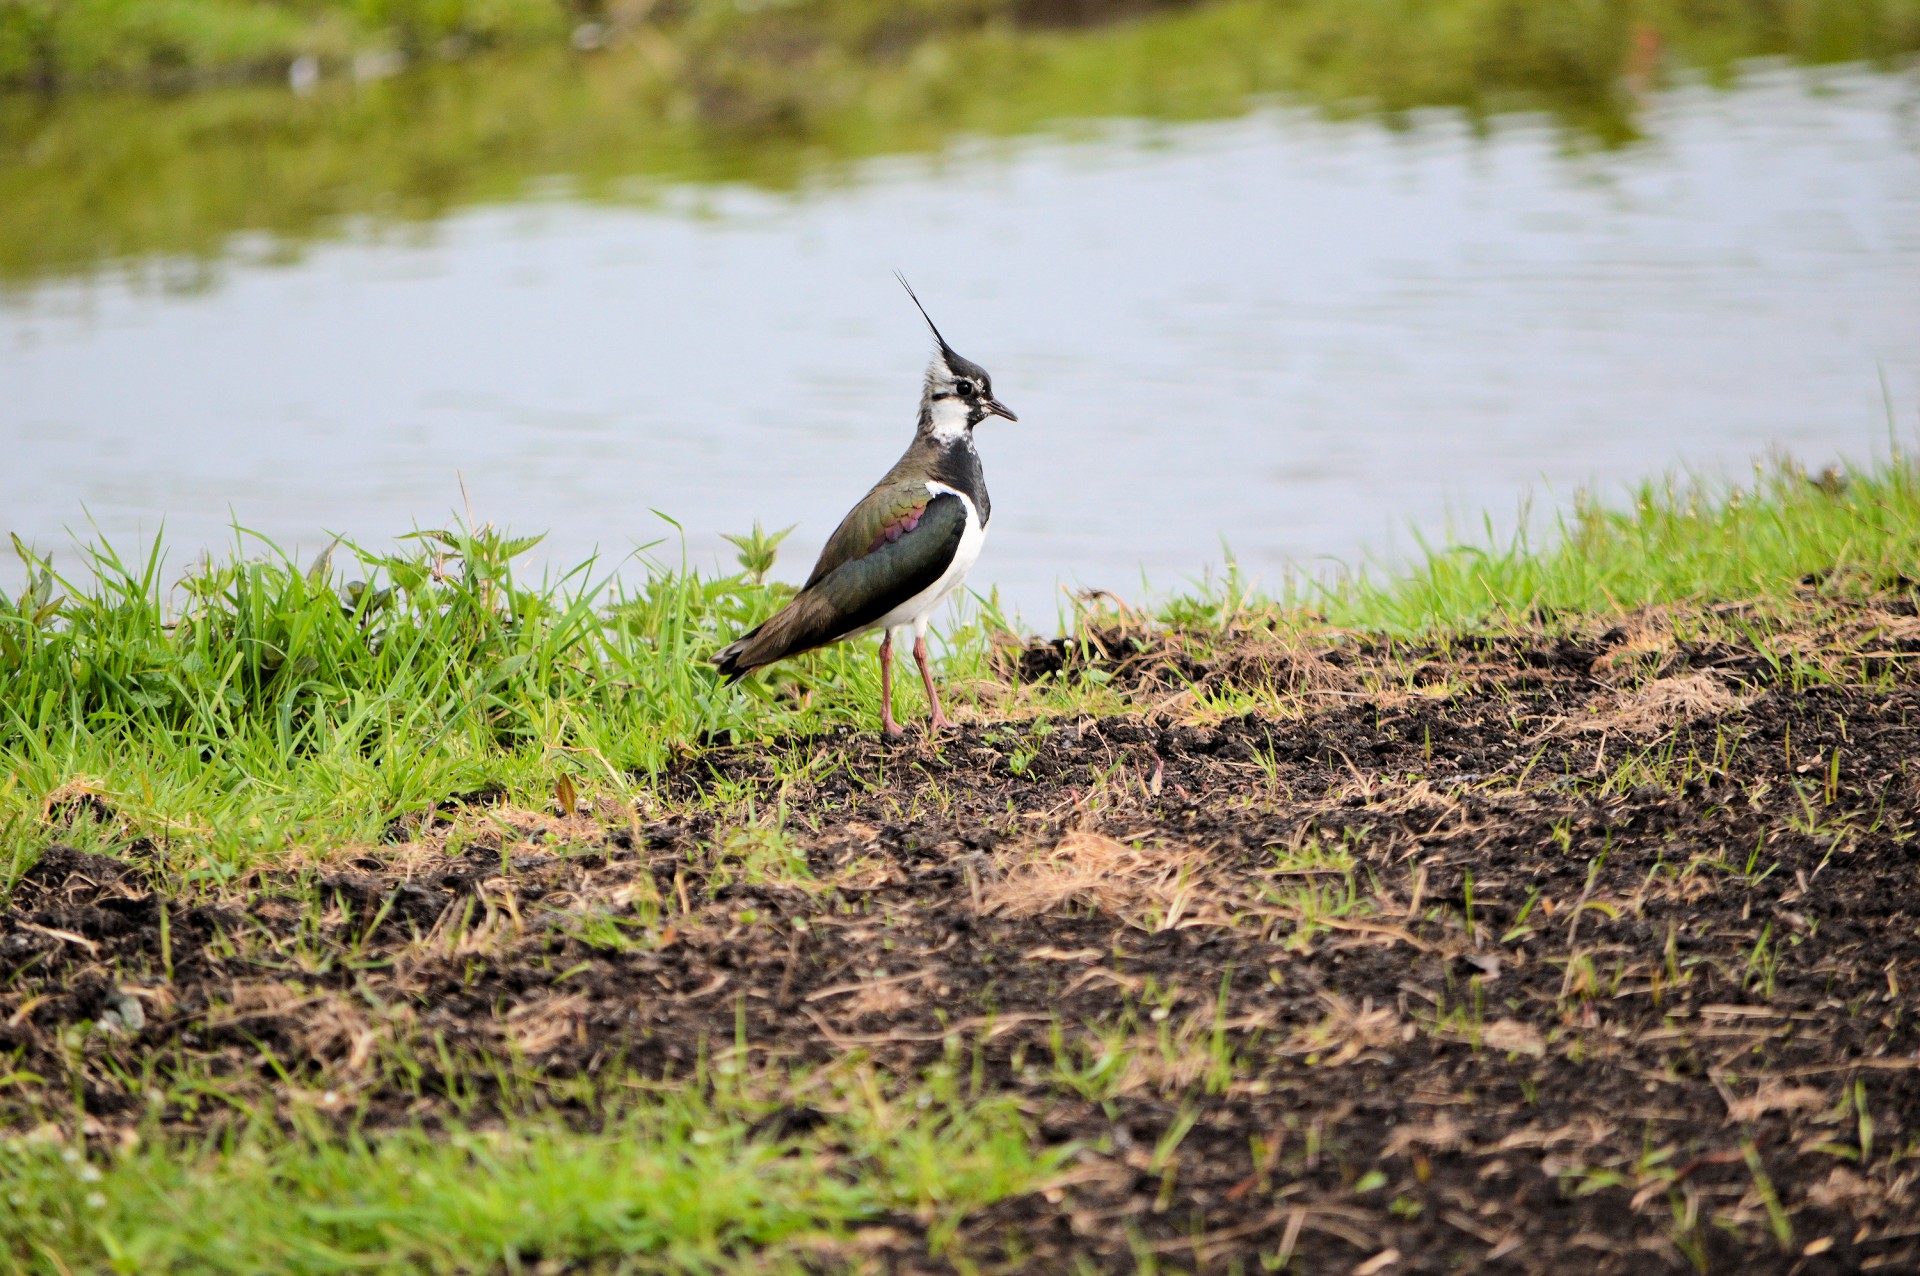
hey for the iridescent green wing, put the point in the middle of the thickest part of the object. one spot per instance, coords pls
(892, 509)
(896, 543)
(904, 558)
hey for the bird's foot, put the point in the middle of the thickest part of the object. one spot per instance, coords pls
(940, 722)
(892, 730)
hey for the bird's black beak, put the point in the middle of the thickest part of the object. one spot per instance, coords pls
(998, 408)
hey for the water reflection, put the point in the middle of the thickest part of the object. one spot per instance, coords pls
(785, 97)
(1297, 333)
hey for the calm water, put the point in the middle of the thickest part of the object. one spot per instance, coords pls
(1300, 336)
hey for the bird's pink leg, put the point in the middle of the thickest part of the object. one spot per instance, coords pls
(940, 720)
(888, 726)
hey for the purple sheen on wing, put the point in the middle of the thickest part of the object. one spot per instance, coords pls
(900, 527)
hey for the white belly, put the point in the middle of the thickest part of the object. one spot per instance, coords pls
(916, 609)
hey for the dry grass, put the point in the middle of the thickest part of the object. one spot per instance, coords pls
(1656, 707)
(1289, 666)
(1348, 1032)
(1085, 870)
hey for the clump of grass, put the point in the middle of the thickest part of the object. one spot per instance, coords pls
(759, 548)
(678, 1183)
(1845, 531)
(254, 703)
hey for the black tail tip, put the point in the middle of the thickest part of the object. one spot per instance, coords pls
(730, 659)
(728, 663)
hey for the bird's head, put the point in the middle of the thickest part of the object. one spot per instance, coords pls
(958, 394)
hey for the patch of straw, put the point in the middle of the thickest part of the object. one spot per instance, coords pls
(1278, 667)
(1088, 870)
(1660, 705)
(1347, 1032)
(539, 1027)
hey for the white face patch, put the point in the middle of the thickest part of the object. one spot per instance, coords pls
(947, 418)
(946, 411)
(948, 414)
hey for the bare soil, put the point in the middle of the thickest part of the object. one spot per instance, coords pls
(1593, 948)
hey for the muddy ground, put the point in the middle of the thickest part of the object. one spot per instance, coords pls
(1587, 949)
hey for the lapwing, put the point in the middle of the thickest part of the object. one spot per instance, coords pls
(907, 545)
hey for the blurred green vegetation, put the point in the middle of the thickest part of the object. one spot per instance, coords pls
(679, 1177)
(769, 95)
(50, 43)
(54, 43)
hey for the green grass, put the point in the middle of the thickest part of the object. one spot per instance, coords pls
(674, 1183)
(238, 713)
(242, 710)
(1672, 542)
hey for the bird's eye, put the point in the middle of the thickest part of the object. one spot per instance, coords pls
(964, 388)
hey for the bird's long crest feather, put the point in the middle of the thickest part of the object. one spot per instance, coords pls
(945, 349)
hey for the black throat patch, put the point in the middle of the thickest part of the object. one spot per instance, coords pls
(958, 466)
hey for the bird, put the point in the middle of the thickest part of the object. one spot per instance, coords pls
(904, 548)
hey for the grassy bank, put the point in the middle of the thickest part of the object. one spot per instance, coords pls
(132, 41)
(265, 704)
(786, 95)
(236, 713)
(389, 910)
